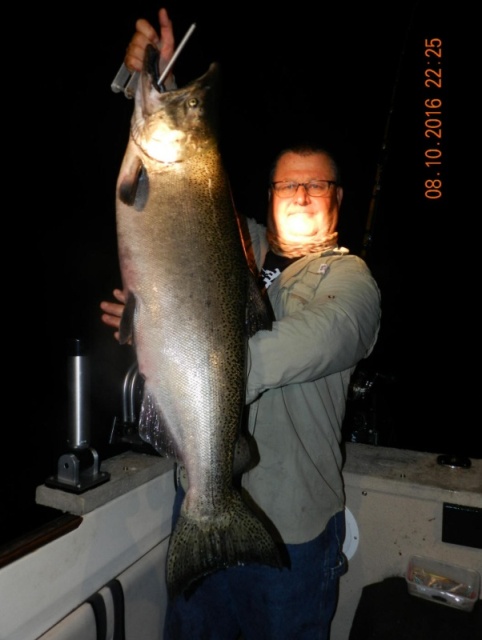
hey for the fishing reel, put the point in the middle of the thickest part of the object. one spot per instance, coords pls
(367, 419)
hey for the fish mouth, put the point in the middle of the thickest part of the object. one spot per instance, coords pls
(151, 65)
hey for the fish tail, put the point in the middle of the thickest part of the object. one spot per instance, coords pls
(196, 550)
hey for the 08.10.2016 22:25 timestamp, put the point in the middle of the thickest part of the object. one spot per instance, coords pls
(433, 118)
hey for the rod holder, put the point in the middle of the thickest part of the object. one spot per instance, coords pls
(78, 470)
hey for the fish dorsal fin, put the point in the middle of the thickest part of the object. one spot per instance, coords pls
(247, 244)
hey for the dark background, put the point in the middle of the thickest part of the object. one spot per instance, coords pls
(350, 77)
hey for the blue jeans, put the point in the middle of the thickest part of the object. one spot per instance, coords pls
(256, 602)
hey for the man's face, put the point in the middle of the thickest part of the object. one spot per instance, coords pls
(301, 217)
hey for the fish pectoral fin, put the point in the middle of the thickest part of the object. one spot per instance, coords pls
(126, 327)
(259, 312)
(134, 186)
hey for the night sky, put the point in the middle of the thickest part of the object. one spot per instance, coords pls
(351, 78)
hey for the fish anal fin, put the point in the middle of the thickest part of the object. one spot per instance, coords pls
(153, 427)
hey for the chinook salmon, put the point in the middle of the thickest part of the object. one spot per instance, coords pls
(191, 304)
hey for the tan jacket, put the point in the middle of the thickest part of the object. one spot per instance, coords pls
(327, 309)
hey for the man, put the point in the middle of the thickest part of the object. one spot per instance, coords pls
(327, 310)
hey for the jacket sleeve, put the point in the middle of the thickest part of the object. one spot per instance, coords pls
(331, 333)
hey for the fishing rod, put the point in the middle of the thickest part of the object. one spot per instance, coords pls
(374, 202)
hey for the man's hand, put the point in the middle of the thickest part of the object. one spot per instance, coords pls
(145, 34)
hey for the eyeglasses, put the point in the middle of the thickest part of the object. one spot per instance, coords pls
(316, 188)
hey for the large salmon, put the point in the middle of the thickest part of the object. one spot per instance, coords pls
(191, 304)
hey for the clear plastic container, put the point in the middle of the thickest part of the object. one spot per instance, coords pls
(447, 584)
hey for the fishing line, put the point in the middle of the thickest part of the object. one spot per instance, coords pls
(374, 202)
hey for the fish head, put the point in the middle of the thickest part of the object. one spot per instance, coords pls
(170, 126)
